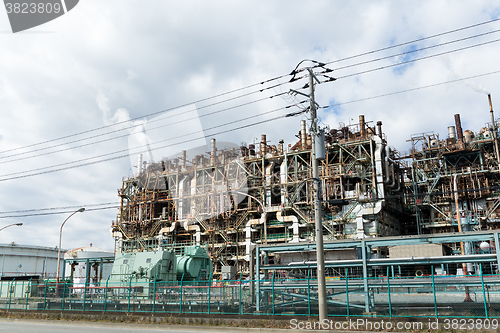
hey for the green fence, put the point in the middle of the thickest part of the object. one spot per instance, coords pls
(471, 296)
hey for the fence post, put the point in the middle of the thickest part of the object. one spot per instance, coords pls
(129, 292)
(309, 292)
(64, 294)
(28, 292)
(45, 295)
(182, 280)
(85, 290)
(434, 291)
(154, 293)
(11, 290)
(209, 288)
(273, 290)
(106, 294)
(241, 275)
(484, 293)
(347, 289)
(389, 293)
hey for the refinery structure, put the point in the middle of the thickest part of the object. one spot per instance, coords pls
(232, 198)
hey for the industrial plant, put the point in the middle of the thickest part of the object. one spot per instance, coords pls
(232, 198)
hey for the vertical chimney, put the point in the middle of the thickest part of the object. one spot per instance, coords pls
(263, 145)
(303, 134)
(494, 129)
(183, 160)
(362, 127)
(379, 128)
(458, 126)
(280, 147)
(213, 152)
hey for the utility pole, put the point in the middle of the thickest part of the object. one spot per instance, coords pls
(320, 255)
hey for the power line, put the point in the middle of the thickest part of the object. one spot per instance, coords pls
(256, 84)
(126, 135)
(56, 208)
(170, 145)
(416, 59)
(415, 41)
(408, 90)
(345, 67)
(58, 212)
(162, 111)
(418, 50)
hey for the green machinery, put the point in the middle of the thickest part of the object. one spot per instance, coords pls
(189, 266)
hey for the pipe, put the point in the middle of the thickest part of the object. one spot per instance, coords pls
(460, 134)
(451, 132)
(280, 147)
(295, 224)
(362, 126)
(167, 230)
(303, 134)
(263, 145)
(378, 166)
(379, 127)
(183, 160)
(494, 129)
(139, 165)
(248, 237)
(213, 152)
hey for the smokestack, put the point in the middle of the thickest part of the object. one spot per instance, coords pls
(280, 147)
(183, 160)
(362, 126)
(263, 145)
(494, 129)
(458, 126)
(451, 132)
(303, 134)
(213, 152)
(139, 165)
(379, 128)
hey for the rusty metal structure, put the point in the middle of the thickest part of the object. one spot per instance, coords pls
(458, 174)
(230, 199)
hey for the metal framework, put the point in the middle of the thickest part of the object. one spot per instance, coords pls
(231, 199)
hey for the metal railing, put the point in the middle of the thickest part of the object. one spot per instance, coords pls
(436, 296)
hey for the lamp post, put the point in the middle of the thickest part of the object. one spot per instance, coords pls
(60, 236)
(10, 225)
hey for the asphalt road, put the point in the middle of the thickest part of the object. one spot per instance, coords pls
(47, 326)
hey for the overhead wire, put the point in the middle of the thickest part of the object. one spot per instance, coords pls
(415, 40)
(408, 90)
(126, 135)
(272, 87)
(144, 146)
(255, 84)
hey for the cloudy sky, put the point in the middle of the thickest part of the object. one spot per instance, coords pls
(82, 95)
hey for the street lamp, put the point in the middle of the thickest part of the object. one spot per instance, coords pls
(10, 225)
(60, 236)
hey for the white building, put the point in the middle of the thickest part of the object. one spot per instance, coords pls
(22, 260)
(88, 265)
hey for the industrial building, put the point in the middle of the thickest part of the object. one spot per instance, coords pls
(232, 198)
(27, 260)
(457, 174)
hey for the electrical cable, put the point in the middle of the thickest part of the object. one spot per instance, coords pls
(127, 155)
(414, 41)
(126, 135)
(408, 90)
(59, 212)
(256, 84)
(416, 59)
